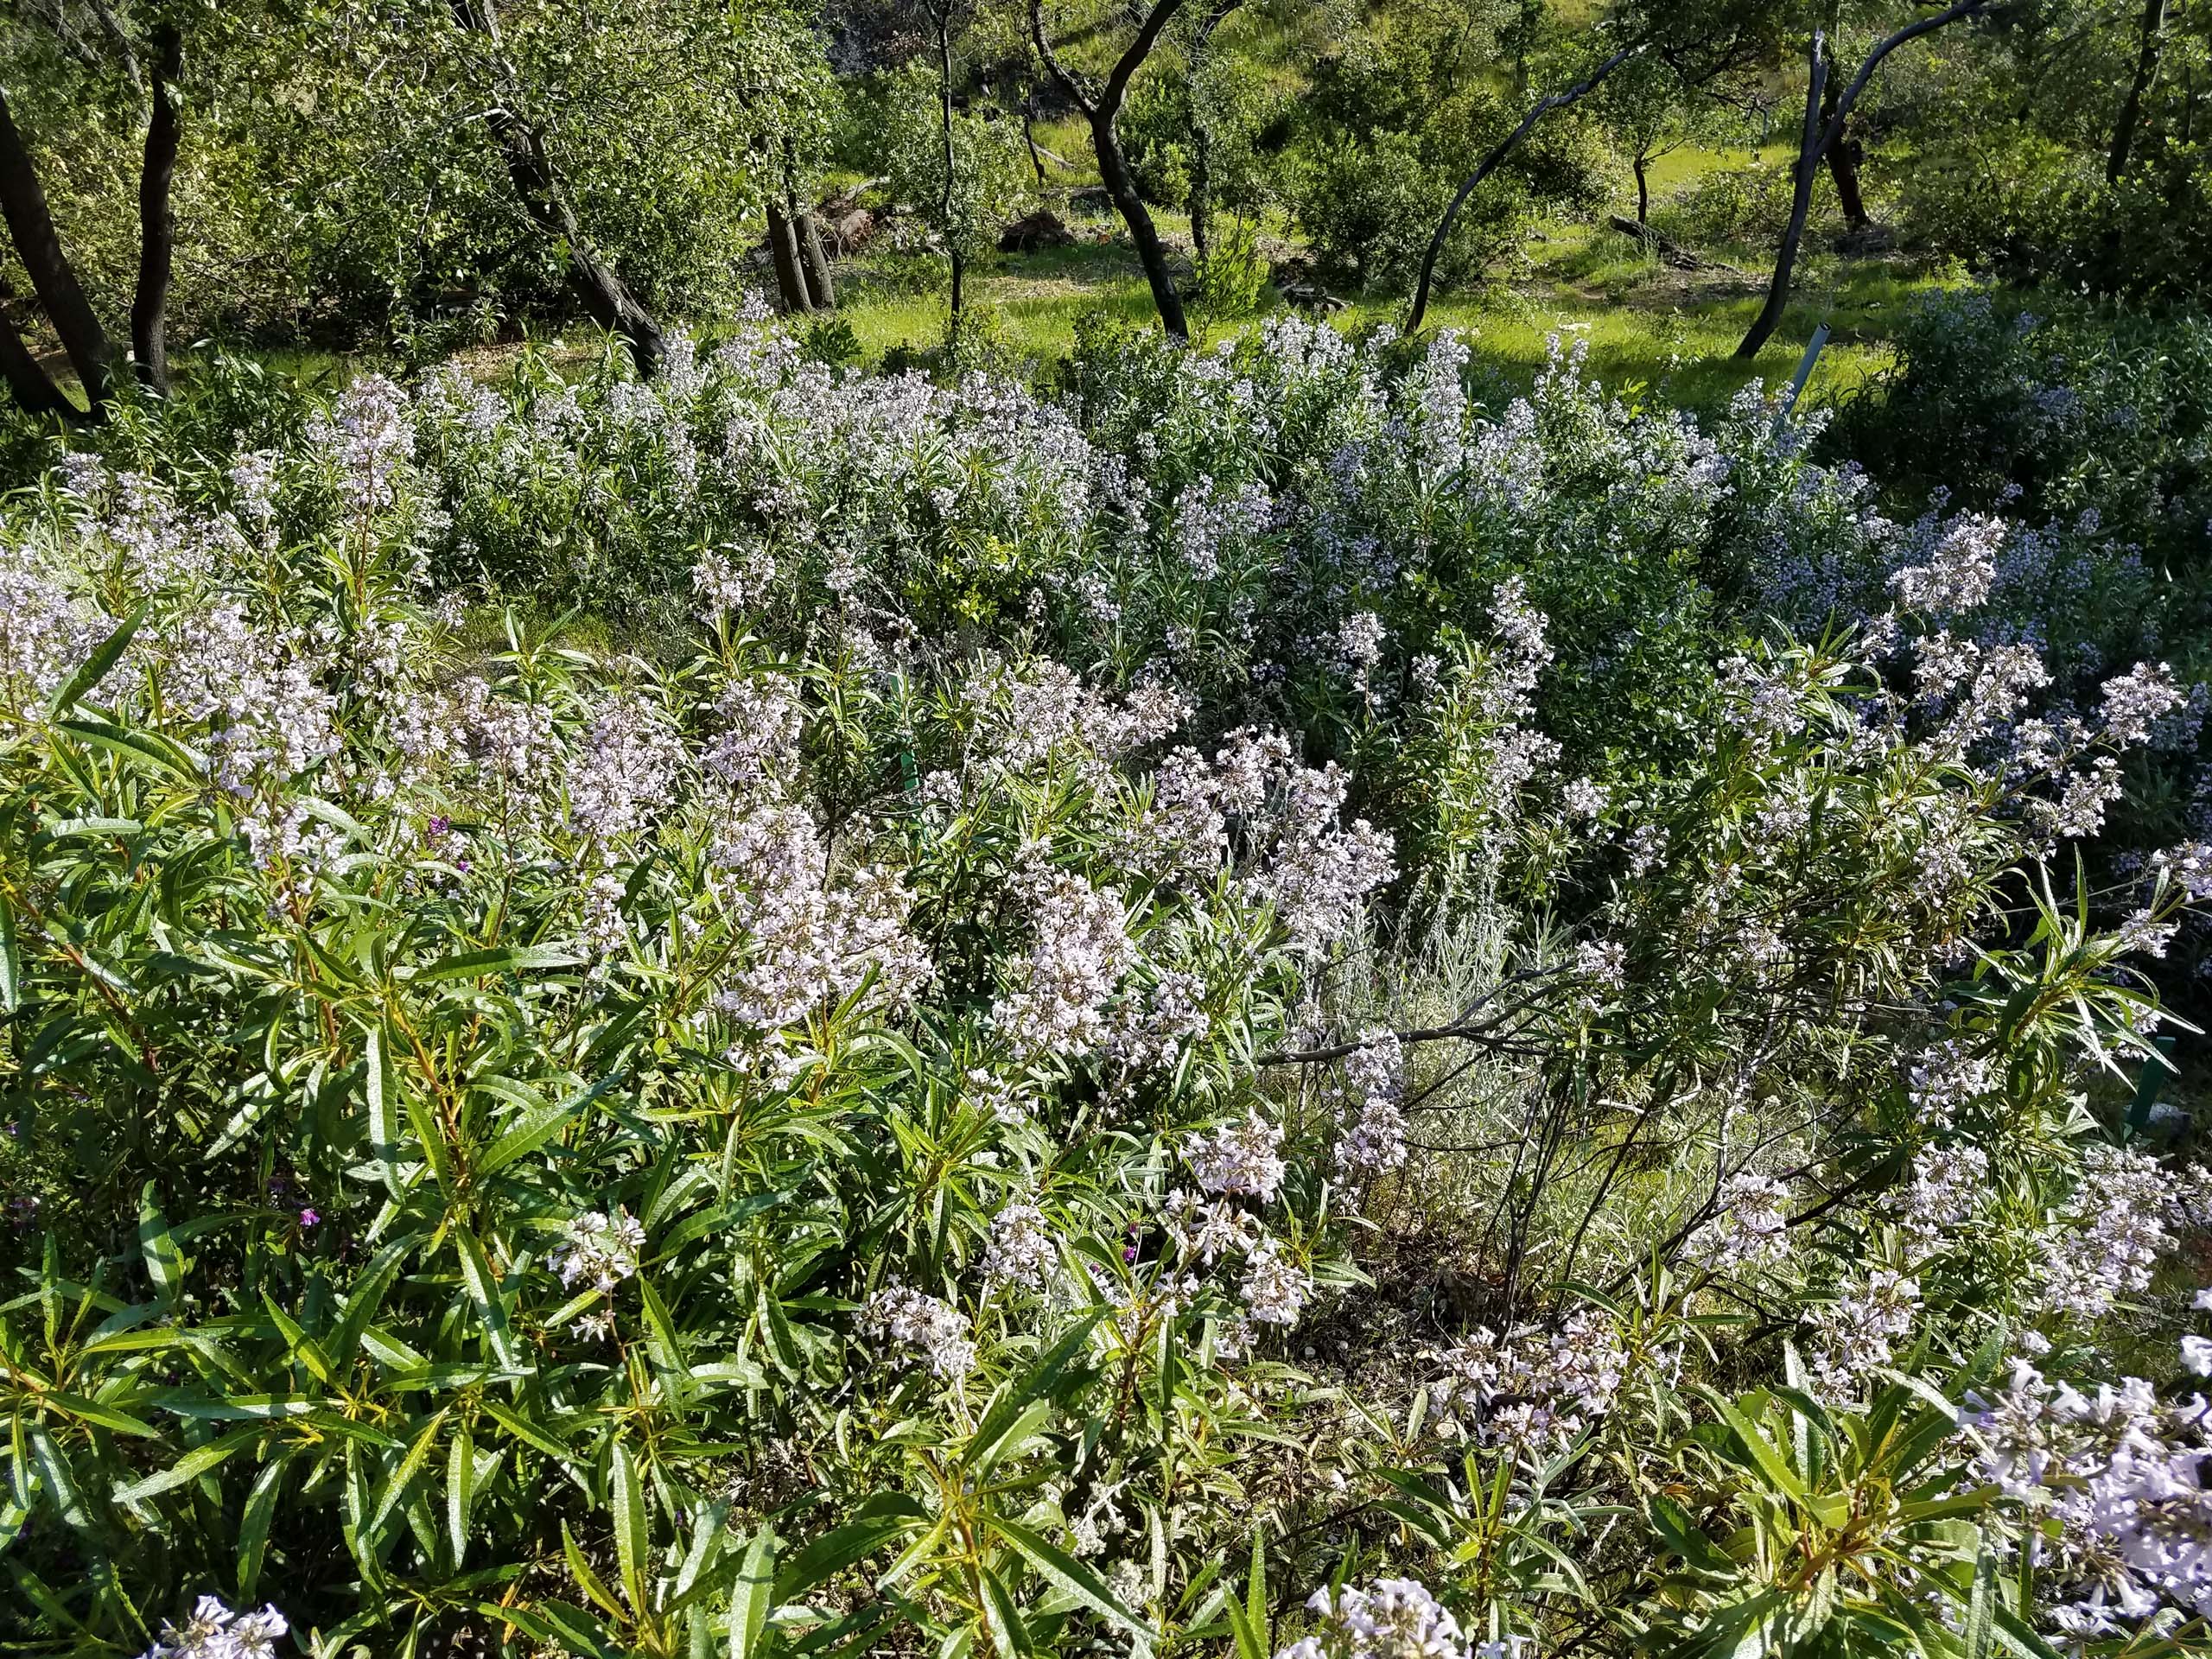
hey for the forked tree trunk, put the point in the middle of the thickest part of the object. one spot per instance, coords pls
(545, 198)
(814, 261)
(783, 253)
(1819, 138)
(22, 200)
(149, 303)
(1843, 165)
(1113, 167)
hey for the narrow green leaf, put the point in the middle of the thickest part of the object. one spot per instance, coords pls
(384, 1121)
(395, 1488)
(1064, 1572)
(461, 1491)
(1036, 1383)
(95, 668)
(253, 1527)
(750, 1596)
(164, 1261)
(190, 1466)
(632, 1541)
(477, 964)
(483, 1290)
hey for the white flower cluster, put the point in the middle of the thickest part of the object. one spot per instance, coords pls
(1058, 991)
(1298, 856)
(1275, 1288)
(804, 940)
(1241, 1160)
(1536, 1385)
(922, 1325)
(1391, 1618)
(2120, 1474)
(1021, 1251)
(625, 777)
(1371, 1121)
(601, 1249)
(368, 437)
(1860, 1329)
(1945, 1078)
(1960, 570)
(1750, 1232)
(47, 630)
(259, 693)
(1947, 1186)
(214, 1631)
(2119, 1223)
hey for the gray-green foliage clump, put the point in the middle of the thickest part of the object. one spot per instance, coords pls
(1231, 985)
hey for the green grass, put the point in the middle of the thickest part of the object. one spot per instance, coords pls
(1644, 325)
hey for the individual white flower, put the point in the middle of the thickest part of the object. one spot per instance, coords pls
(213, 1632)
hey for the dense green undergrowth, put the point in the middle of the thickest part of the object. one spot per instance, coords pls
(1267, 974)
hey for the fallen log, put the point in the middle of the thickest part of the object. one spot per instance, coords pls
(1668, 250)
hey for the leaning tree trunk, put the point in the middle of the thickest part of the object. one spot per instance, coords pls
(1152, 253)
(149, 303)
(539, 187)
(1490, 163)
(32, 388)
(1029, 136)
(2152, 47)
(1642, 188)
(814, 260)
(22, 200)
(1801, 205)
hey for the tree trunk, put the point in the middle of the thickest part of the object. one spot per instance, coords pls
(149, 304)
(1801, 205)
(814, 261)
(1843, 164)
(953, 238)
(32, 387)
(1113, 167)
(2152, 46)
(1152, 254)
(783, 253)
(538, 185)
(806, 232)
(1642, 189)
(52, 277)
(1201, 183)
(1029, 136)
(1819, 138)
(1489, 165)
